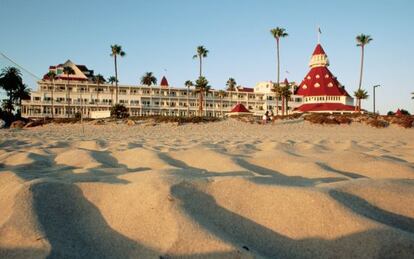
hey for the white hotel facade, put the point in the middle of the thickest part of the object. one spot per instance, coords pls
(77, 93)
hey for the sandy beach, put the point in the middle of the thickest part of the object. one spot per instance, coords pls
(226, 189)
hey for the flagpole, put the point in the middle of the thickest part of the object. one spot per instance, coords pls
(319, 34)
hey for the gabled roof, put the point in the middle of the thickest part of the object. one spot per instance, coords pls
(245, 89)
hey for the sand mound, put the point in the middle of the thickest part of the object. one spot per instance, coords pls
(207, 191)
(77, 158)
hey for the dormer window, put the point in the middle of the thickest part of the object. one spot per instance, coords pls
(317, 76)
(304, 86)
(317, 85)
(308, 77)
(326, 76)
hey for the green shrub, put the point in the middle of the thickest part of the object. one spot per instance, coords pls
(119, 111)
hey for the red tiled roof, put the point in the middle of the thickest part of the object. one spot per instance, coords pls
(245, 89)
(239, 108)
(319, 107)
(164, 81)
(398, 112)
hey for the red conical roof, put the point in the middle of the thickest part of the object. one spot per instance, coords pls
(239, 108)
(318, 50)
(164, 81)
(398, 113)
(320, 81)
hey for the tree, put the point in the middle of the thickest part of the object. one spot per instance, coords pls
(360, 94)
(278, 33)
(10, 80)
(201, 53)
(221, 95)
(188, 84)
(362, 40)
(119, 111)
(112, 80)
(52, 76)
(21, 93)
(98, 80)
(231, 84)
(68, 71)
(7, 105)
(148, 79)
(286, 93)
(116, 50)
(202, 87)
(277, 90)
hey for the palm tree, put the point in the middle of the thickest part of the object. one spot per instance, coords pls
(10, 81)
(277, 34)
(21, 93)
(221, 95)
(148, 79)
(52, 76)
(98, 80)
(188, 84)
(201, 53)
(112, 80)
(360, 94)
(7, 105)
(362, 40)
(286, 93)
(116, 50)
(68, 71)
(202, 87)
(277, 90)
(231, 86)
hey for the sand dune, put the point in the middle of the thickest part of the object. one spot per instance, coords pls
(218, 190)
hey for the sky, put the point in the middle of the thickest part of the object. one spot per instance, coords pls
(161, 36)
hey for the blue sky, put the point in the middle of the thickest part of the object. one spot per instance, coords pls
(161, 35)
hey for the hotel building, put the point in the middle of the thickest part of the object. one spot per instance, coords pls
(77, 93)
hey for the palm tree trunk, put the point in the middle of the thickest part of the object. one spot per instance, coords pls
(116, 80)
(362, 67)
(287, 105)
(53, 107)
(283, 105)
(277, 103)
(188, 103)
(201, 66)
(221, 106)
(200, 107)
(278, 61)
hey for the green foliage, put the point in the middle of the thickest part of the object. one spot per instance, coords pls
(231, 84)
(148, 79)
(363, 40)
(119, 111)
(278, 33)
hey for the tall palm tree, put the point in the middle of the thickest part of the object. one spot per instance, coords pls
(221, 95)
(202, 87)
(68, 71)
(362, 40)
(188, 84)
(201, 53)
(277, 90)
(116, 50)
(112, 80)
(52, 76)
(360, 94)
(278, 33)
(98, 80)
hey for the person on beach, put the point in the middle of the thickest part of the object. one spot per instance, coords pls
(265, 117)
(272, 118)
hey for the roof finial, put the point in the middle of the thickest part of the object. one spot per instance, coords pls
(319, 34)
